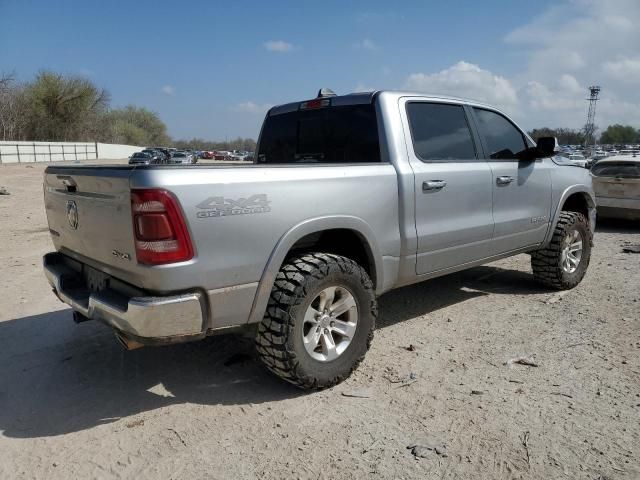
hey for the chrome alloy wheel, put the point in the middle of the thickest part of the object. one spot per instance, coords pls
(330, 324)
(571, 251)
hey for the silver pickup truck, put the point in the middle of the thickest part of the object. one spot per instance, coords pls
(348, 197)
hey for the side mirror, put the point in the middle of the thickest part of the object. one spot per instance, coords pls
(547, 146)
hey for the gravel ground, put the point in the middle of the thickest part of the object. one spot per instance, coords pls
(73, 404)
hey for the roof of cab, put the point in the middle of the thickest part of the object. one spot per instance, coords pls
(360, 98)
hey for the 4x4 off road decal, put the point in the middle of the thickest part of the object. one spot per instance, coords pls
(223, 207)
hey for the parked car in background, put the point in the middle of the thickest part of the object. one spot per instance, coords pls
(165, 151)
(222, 155)
(616, 182)
(141, 158)
(596, 155)
(599, 155)
(156, 155)
(578, 159)
(238, 156)
(179, 157)
(208, 155)
(183, 158)
(629, 152)
(192, 155)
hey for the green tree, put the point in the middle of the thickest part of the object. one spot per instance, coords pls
(55, 107)
(246, 144)
(59, 108)
(565, 136)
(618, 134)
(137, 126)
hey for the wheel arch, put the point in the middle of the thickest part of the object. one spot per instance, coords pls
(578, 198)
(343, 235)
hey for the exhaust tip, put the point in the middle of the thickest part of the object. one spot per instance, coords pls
(127, 343)
(79, 318)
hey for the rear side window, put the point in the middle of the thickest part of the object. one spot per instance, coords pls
(618, 170)
(343, 134)
(501, 137)
(440, 132)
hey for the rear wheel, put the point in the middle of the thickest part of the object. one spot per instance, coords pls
(563, 264)
(319, 321)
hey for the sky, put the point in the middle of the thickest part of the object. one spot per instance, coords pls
(212, 69)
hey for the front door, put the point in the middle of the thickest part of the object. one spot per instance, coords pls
(453, 193)
(521, 189)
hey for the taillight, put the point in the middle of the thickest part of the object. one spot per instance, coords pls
(160, 231)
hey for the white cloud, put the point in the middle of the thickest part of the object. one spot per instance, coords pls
(624, 69)
(278, 46)
(365, 44)
(570, 46)
(168, 89)
(251, 107)
(466, 80)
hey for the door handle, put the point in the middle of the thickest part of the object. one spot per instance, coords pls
(433, 185)
(505, 180)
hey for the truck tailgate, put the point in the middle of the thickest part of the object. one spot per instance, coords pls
(89, 213)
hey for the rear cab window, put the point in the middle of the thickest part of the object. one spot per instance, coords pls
(324, 134)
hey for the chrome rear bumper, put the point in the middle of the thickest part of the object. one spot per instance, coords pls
(150, 319)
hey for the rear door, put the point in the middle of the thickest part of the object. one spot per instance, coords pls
(521, 189)
(454, 221)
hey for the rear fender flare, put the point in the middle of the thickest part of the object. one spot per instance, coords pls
(299, 231)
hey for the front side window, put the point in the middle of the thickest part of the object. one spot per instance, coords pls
(502, 138)
(440, 132)
(331, 134)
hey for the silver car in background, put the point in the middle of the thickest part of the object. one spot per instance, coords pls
(140, 158)
(616, 182)
(183, 158)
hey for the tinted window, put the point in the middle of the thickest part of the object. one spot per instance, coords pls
(502, 138)
(344, 134)
(619, 170)
(440, 131)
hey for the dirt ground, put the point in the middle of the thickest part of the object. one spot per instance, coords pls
(73, 404)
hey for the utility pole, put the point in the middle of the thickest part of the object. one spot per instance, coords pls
(589, 128)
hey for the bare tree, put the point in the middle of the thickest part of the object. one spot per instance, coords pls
(12, 105)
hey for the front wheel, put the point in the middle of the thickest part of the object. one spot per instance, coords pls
(563, 264)
(319, 321)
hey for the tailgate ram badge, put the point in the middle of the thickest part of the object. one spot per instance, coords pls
(72, 214)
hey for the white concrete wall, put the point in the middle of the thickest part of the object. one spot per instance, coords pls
(110, 150)
(25, 152)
